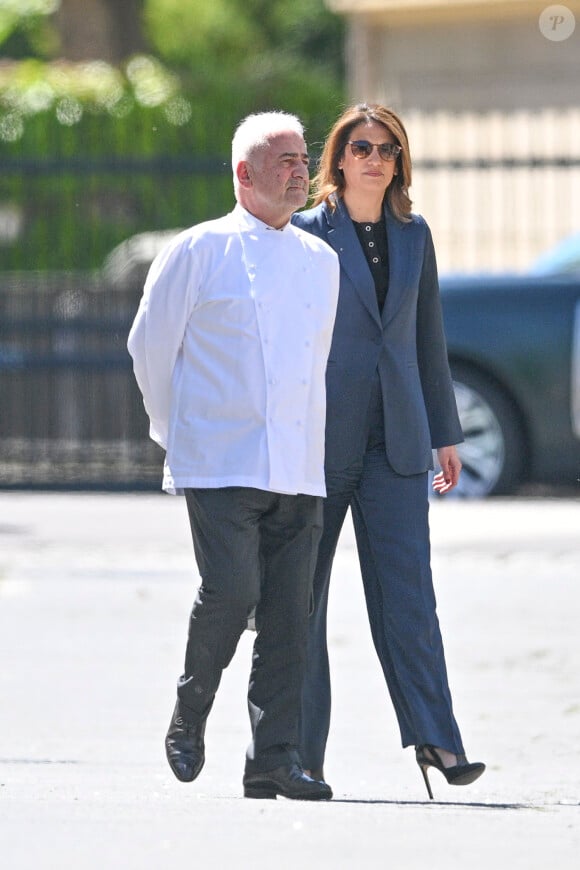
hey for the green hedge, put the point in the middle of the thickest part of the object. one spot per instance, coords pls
(90, 155)
(78, 191)
(84, 164)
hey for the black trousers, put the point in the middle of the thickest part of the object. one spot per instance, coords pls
(254, 549)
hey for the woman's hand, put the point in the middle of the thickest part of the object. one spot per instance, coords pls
(450, 463)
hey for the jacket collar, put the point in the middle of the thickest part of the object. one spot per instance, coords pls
(343, 238)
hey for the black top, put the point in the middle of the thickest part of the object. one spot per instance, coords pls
(373, 239)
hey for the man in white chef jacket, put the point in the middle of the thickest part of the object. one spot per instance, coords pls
(229, 346)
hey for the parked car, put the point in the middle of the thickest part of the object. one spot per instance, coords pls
(514, 351)
(563, 258)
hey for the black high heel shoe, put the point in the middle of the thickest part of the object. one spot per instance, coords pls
(461, 773)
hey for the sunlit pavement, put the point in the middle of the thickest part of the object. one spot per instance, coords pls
(95, 592)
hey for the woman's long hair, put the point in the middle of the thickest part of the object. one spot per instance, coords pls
(329, 179)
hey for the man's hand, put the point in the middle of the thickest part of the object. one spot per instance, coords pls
(447, 478)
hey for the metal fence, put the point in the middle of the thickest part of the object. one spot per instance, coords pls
(70, 412)
(70, 212)
(497, 188)
(496, 191)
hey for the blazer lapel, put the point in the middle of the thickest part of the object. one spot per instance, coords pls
(400, 258)
(343, 238)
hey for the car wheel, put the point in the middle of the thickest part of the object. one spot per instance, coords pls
(493, 452)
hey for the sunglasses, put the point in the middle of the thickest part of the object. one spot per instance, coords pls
(361, 149)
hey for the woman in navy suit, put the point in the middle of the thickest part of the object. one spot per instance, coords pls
(390, 403)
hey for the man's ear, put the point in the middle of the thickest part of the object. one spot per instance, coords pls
(244, 173)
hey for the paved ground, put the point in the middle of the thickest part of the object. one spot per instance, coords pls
(95, 592)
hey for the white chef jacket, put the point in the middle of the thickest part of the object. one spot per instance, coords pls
(229, 346)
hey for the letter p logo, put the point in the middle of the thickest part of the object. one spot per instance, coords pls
(557, 23)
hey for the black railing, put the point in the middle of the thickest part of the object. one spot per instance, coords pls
(68, 212)
(70, 412)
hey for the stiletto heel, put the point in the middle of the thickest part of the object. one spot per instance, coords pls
(426, 778)
(461, 773)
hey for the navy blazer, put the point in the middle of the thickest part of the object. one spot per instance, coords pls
(406, 344)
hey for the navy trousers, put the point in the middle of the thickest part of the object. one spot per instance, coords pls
(254, 549)
(390, 518)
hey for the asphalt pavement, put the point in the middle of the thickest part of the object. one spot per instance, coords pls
(95, 593)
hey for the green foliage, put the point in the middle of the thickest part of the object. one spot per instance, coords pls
(251, 55)
(91, 154)
(197, 35)
(71, 89)
(25, 28)
(73, 191)
(201, 36)
(231, 56)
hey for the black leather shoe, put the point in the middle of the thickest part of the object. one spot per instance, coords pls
(289, 781)
(185, 747)
(315, 773)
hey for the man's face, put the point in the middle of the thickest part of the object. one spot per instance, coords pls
(274, 181)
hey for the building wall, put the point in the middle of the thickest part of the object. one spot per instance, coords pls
(492, 107)
(498, 188)
(471, 66)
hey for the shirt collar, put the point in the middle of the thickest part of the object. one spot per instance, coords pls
(249, 222)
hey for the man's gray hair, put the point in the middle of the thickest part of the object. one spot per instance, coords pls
(255, 131)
